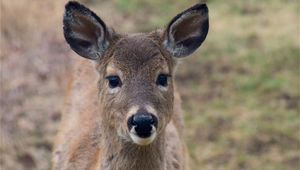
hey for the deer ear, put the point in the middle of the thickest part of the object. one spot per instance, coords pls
(84, 31)
(186, 32)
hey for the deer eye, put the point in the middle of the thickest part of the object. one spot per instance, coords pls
(114, 81)
(162, 80)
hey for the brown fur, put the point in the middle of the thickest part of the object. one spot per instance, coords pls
(84, 142)
(94, 133)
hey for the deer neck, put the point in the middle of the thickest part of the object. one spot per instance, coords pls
(119, 154)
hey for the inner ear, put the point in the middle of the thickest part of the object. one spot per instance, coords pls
(85, 32)
(85, 29)
(186, 27)
(186, 32)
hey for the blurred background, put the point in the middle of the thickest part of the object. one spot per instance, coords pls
(240, 90)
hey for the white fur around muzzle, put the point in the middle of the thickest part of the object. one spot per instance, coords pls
(142, 141)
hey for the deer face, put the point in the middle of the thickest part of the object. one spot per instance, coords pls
(135, 71)
(137, 88)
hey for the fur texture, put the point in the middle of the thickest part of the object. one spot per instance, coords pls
(94, 133)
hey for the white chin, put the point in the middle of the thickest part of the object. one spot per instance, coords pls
(142, 141)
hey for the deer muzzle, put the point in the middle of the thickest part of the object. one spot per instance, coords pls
(142, 128)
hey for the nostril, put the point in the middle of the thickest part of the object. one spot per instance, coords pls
(154, 121)
(142, 123)
(130, 122)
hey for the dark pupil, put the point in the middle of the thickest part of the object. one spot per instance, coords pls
(114, 81)
(162, 80)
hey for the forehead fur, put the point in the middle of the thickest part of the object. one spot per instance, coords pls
(139, 51)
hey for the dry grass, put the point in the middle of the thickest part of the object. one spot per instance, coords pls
(240, 91)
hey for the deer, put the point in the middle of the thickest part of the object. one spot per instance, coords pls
(122, 109)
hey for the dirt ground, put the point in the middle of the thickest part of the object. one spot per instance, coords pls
(240, 90)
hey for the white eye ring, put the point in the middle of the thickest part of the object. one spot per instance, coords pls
(113, 90)
(163, 88)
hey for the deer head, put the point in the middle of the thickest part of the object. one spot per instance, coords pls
(136, 71)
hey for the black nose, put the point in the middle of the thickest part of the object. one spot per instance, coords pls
(142, 123)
